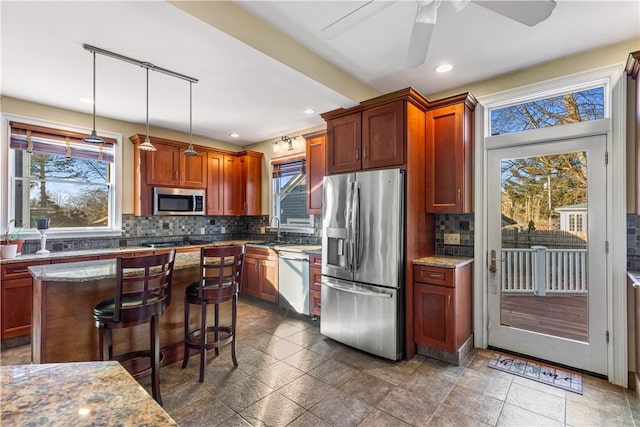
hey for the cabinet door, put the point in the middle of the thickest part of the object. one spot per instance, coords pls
(433, 319)
(250, 277)
(215, 184)
(344, 139)
(16, 307)
(163, 165)
(269, 289)
(315, 290)
(193, 170)
(253, 185)
(448, 161)
(232, 186)
(383, 136)
(315, 173)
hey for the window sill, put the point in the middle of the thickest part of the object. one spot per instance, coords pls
(62, 234)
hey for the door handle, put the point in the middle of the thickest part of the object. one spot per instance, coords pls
(492, 262)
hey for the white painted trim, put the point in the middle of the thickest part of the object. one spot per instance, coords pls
(7, 191)
(615, 131)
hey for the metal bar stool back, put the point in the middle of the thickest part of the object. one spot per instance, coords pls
(142, 293)
(220, 276)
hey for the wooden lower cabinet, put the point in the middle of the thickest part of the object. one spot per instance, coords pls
(260, 274)
(15, 299)
(442, 311)
(315, 287)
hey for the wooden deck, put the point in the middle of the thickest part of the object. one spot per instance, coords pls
(565, 315)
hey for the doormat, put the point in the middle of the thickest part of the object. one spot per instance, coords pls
(536, 371)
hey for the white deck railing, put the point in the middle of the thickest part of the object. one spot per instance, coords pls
(540, 270)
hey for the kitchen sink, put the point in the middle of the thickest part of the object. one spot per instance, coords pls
(269, 244)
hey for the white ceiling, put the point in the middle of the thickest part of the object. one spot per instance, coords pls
(243, 90)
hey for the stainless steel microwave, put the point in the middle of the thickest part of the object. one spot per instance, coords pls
(178, 201)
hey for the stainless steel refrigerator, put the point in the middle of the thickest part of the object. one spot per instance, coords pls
(363, 260)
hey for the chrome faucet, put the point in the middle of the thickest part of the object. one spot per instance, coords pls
(278, 234)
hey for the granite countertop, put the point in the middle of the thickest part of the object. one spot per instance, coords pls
(634, 277)
(443, 261)
(85, 271)
(76, 394)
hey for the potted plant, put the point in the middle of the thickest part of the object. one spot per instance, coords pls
(12, 242)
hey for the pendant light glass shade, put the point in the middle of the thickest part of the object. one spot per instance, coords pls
(94, 138)
(190, 151)
(147, 145)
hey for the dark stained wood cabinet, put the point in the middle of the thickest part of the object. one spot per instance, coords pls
(215, 183)
(442, 306)
(233, 180)
(315, 170)
(369, 139)
(260, 274)
(383, 139)
(633, 71)
(15, 298)
(449, 155)
(168, 167)
(315, 287)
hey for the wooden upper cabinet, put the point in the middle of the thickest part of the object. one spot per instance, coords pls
(373, 138)
(383, 142)
(344, 142)
(215, 183)
(449, 151)
(252, 182)
(193, 170)
(233, 194)
(163, 165)
(315, 170)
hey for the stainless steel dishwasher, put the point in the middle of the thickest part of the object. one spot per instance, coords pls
(293, 281)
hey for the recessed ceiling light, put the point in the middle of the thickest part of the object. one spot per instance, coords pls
(309, 111)
(234, 135)
(86, 100)
(444, 68)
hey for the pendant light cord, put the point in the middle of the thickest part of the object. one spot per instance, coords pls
(190, 113)
(94, 91)
(147, 104)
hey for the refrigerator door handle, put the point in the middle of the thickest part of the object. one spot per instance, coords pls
(355, 226)
(356, 291)
(349, 219)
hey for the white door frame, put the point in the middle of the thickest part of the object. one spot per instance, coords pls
(614, 128)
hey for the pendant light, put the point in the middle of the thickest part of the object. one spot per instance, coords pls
(147, 145)
(190, 151)
(94, 138)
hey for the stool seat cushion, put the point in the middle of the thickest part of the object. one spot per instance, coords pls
(193, 288)
(107, 308)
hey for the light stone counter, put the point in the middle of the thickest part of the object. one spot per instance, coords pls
(443, 261)
(76, 394)
(634, 277)
(98, 270)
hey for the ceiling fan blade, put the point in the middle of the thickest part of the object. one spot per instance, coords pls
(421, 34)
(528, 12)
(353, 18)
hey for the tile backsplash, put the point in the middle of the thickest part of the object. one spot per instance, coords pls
(633, 242)
(137, 230)
(462, 224)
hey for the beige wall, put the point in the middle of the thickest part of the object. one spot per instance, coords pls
(126, 129)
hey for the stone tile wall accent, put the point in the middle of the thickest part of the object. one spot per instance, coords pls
(455, 223)
(633, 242)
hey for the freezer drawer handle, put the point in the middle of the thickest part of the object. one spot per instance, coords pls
(354, 291)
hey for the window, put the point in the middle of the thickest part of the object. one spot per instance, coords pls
(290, 194)
(557, 110)
(54, 174)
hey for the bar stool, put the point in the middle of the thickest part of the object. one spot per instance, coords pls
(142, 293)
(220, 274)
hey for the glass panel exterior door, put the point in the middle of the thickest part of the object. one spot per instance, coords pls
(547, 262)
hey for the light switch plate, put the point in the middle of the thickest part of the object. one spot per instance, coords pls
(451, 238)
(223, 230)
(202, 230)
(262, 230)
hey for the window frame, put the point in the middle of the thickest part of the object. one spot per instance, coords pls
(288, 228)
(7, 179)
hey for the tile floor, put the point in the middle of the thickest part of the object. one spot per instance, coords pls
(290, 375)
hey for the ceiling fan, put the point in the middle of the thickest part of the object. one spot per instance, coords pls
(528, 12)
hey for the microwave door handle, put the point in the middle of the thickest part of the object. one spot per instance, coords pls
(193, 203)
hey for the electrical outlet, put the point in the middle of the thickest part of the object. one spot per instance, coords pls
(202, 230)
(262, 230)
(223, 230)
(452, 239)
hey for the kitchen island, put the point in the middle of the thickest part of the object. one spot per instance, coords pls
(64, 296)
(74, 394)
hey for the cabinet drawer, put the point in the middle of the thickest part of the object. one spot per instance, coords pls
(315, 278)
(315, 260)
(261, 253)
(315, 303)
(18, 270)
(434, 275)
